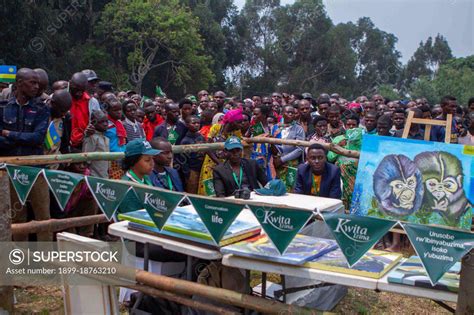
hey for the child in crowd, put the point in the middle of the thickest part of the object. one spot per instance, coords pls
(371, 123)
(384, 124)
(98, 142)
(140, 116)
(133, 128)
(191, 163)
(117, 136)
(320, 124)
(206, 122)
(163, 175)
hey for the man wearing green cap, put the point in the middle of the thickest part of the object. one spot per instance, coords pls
(237, 172)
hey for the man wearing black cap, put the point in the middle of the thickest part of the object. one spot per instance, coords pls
(92, 81)
(237, 173)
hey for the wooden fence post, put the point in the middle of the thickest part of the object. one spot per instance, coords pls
(6, 292)
(465, 303)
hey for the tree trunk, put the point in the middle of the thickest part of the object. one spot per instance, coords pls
(466, 286)
(6, 292)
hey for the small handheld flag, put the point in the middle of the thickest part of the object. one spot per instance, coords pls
(52, 137)
(7, 73)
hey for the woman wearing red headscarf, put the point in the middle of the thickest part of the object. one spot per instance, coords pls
(229, 126)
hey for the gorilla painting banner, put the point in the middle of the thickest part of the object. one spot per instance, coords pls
(415, 181)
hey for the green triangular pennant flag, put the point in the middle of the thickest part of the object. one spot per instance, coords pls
(158, 203)
(62, 185)
(107, 193)
(281, 224)
(354, 234)
(23, 179)
(217, 215)
(438, 248)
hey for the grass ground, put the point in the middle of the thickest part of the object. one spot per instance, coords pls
(48, 300)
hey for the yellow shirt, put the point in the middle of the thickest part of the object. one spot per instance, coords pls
(316, 185)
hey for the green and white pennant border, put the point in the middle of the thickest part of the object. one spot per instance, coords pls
(13, 172)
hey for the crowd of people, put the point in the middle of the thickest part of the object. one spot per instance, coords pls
(86, 114)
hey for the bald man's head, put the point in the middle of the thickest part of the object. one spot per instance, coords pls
(78, 84)
(60, 85)
(60, 103)
(26, 84)
(43, 80)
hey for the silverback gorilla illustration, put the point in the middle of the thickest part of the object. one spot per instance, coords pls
(443, 176)
(397, 186)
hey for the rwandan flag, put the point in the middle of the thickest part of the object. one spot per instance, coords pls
(7, 73)
(52, 136)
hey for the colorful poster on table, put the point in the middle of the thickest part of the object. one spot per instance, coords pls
(415, 181)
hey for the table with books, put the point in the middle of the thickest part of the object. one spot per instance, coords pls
(185, 233)
(321, 259)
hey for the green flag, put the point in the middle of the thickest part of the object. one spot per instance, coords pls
(23, 179)
(159, 91)
(258, 129)
(281, 224)
(209, 187)
(217, 215)
(438, 248)
(62, 185)
(107, 193)
(158, 203)
(354, 234)
(291, 177)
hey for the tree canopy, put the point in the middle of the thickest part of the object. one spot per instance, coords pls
(187, 45)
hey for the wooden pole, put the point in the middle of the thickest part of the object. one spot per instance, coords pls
(465, 303)
(177, 149)
(6, 292)
(218, 294)
(54, 225)
(328, 146)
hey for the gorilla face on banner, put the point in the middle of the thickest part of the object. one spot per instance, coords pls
(398, 186)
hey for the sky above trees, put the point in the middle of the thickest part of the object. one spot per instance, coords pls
(412, 21)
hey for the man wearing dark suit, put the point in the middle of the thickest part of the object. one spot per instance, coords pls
(317, 177)
(236, 172)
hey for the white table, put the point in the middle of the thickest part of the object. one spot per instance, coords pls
(121, 229)
(306, 202)
(337, 278)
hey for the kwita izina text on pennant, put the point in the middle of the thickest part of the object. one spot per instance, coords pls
(107, 193)
(23, 179)
(158, 203)
(217, 215)
(438, 248)
(280, 224)
(62, 185)
(354, 234)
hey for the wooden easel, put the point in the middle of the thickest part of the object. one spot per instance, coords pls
(428, 123)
